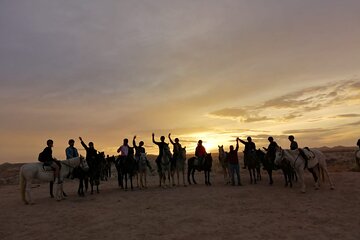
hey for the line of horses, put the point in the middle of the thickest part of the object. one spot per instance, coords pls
(291, 162)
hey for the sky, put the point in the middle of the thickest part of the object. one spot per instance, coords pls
(198, 69)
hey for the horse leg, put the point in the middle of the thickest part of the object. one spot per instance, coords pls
(188, 175)
(300, 172)
(126, 178)
(119, 179)
(193, 177)
(205, 174)
(285, 176)
(131, 182)
(254, 173)
(183, 177)
(145, 179)
(51, 189)
(28, 192)
(270, 176)
(137, 180)
(315, 172)
(251, 180)
(97, 185)
(177, 176)
(209, 178)
(225, 177)
(324, 169)
(86, 179)
(80, 187)
(58, 192)
(160, 179)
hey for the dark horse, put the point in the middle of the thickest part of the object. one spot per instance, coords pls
(95, 171)
(207, 164)
(126, 166)
(82, 174)
(253, 165)
(267, 163)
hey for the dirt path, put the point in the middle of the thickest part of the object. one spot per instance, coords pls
(196, 212)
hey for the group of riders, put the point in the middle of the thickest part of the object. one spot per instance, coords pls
(124, 151)
(200, 152)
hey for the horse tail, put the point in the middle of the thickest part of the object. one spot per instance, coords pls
(22, 182)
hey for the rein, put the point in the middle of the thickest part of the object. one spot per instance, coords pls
(296, 159)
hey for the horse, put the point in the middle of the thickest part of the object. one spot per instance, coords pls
(316, 163)
(105, 167)
(126, 167)
(357, 160)
(83, 176)
(207, 164)
(178, 165)
(142, 162)
(31, 171)
(224, 164)
(253, 165)
(164, 168)
(95, 171)
(110, 161)
(267, 164)
(288, 171)
(82, 173)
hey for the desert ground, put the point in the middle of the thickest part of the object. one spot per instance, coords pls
(198, 211)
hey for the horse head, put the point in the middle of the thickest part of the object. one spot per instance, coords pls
(183, 153)
(279, 155)
(83, 164)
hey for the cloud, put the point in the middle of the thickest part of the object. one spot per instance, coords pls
(348, 115)
(309, 130)
(301, 102)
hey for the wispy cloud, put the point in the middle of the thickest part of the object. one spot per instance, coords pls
(298, 103)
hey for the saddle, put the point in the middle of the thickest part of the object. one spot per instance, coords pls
(198, 163)
(308, 156)
(47, 168)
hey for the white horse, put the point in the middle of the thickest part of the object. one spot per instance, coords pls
(224, 164)
(178, 165)
(165, 166)
(142, 161)
(30, 171)
(357, 160)
(316, 162)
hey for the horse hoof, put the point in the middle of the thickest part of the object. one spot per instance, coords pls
(332, 188)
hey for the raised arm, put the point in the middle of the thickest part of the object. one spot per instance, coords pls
(242, 141)
(237, 145)
(153, 139)
(83, 144)
(171, 139)
(134, 143)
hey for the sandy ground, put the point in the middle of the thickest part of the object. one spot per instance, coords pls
(195, 212)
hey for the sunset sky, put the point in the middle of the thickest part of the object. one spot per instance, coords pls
(200, 69)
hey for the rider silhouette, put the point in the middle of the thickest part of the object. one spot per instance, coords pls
(50, 161)
(200, 153)
(294, 146)
(161, 146)
(249, 148)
